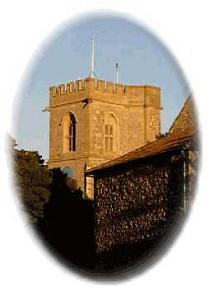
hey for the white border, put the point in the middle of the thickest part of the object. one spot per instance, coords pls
(189, 269)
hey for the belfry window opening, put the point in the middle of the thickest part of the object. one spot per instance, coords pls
(109, 138)
(72, 133)
(69, 133)
(110, 135)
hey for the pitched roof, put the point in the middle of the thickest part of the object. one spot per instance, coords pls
(181, 134)
(186, 118)
(164, 144)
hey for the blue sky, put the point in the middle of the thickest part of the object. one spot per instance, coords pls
(65, 56)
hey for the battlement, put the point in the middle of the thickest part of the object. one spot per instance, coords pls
(89, 84)
(86, 85)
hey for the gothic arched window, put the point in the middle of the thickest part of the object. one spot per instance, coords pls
(110, 134)
(69, 133)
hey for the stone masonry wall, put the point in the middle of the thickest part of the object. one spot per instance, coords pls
(76, 159)
(137, 202)
(136, 109)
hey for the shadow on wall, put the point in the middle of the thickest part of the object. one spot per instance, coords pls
(68, 230)
(67, 223)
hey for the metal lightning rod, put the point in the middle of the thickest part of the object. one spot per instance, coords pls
(92, 74)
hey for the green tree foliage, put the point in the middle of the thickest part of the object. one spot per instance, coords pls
(36, 184)
(33, 180)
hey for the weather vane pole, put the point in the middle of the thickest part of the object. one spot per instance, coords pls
(92, 75)
(117, 71)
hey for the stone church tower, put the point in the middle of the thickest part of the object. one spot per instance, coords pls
(93, 121)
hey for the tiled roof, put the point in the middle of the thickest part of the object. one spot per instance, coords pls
(182, 133)
(164, 144)
(186, 118)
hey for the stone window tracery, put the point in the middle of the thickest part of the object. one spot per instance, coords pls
(110, 134)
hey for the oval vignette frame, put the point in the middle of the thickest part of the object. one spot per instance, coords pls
(118, 158)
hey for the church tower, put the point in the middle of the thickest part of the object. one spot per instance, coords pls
(93, 121)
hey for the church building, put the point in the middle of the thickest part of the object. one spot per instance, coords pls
(93, 121)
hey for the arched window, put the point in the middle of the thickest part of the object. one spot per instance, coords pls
(69, 133)
(110, 134)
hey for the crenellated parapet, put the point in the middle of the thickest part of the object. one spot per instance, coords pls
(68, 88)
(107, 91)
(87, 85)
